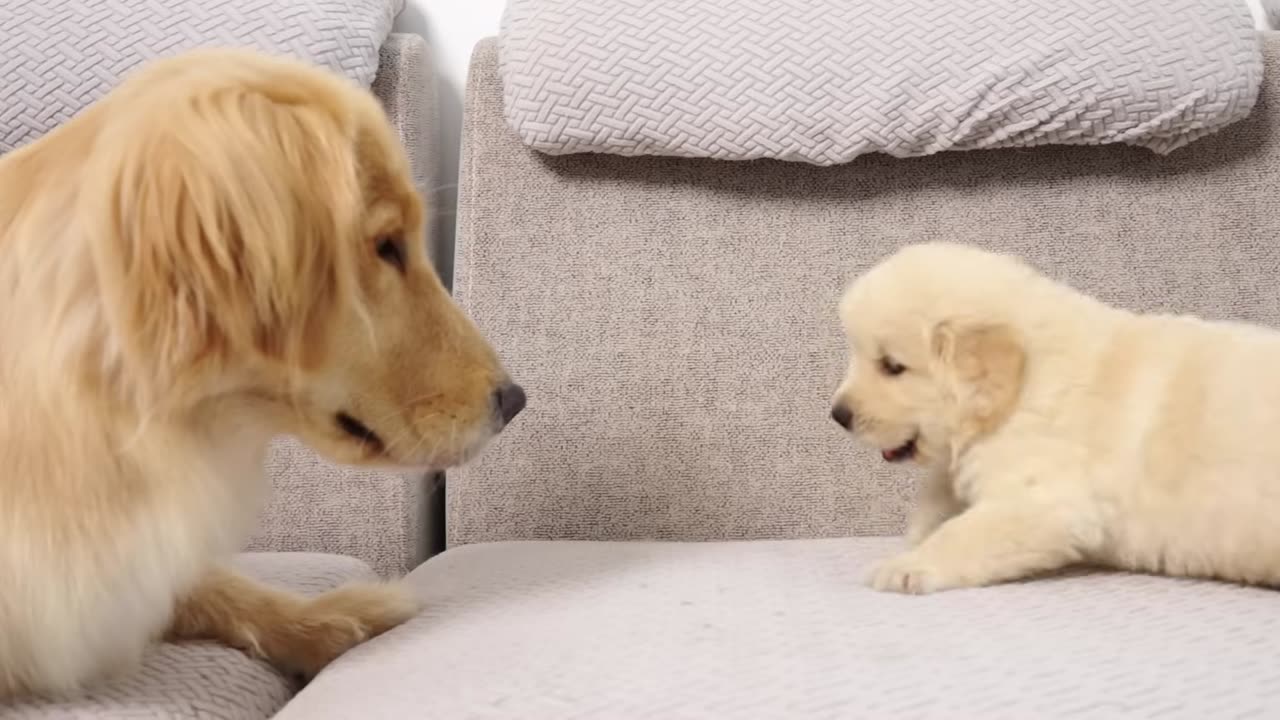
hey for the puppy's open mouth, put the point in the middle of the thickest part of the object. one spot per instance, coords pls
(905, 451)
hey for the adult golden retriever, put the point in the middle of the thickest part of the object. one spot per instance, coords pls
(226, 248)
(1058, 430)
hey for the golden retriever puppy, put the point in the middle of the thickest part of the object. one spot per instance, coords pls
(1056, 430)
(226, 248)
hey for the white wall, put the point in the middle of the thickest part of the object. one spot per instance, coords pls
(452, 27)
(1258, 7)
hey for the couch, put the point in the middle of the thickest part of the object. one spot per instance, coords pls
(675, 529)
(326, 524)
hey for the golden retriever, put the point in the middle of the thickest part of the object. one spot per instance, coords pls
(1058, 430)
(226, 248)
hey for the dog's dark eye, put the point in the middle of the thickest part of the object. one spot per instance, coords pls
(359, 431)
(891, 367)
(391, 251)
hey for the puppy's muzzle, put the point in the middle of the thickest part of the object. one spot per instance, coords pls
(508, 400)
(842, 415)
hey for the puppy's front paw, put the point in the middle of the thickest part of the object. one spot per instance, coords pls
(907, 573)
(333, 623)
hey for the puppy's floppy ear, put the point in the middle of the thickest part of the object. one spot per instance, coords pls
(222, 228)
(988, 361)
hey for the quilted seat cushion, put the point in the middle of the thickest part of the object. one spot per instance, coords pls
(787, 629)
(201, 680)
(58, 57)
(824, 81)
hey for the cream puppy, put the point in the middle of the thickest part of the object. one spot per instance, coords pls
(1057, 430)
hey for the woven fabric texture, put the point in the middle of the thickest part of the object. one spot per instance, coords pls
(674, 320)
(58, 57)
(788, 629)
(204, 681)
(824, 81)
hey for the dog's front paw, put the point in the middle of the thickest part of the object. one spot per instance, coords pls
(908, 573)
(333, 623)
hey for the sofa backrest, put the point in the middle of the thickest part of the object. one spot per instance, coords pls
(674, 320)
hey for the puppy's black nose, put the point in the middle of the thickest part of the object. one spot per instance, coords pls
(843, 416)
(510, 400)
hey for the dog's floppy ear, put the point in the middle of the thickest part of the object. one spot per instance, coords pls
(988, 362)
(214, 226)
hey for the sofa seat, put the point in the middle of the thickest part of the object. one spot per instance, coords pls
(787, 629)
(205, 680)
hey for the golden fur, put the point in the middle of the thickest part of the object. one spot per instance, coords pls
(1058, 430)
(224, 249)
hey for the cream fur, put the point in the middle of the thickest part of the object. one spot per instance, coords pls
(193, 265)
(1057, 430)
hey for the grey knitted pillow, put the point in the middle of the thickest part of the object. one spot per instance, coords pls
(59, 56)
(823, 81)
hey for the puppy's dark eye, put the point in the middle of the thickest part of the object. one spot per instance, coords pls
(891, 367)
(391, 250)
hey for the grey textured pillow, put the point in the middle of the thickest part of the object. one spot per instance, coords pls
(58, 56)
(823, 81)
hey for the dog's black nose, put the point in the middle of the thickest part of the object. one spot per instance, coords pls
(510, 400)
(843, 416)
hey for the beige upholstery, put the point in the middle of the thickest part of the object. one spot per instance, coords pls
(674, 320)
(786, 630)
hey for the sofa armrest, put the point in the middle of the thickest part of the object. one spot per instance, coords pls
(318, 506)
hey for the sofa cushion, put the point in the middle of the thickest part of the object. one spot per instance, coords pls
(823, 81)
(205, 680)
(787, 629)
(58, 57)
